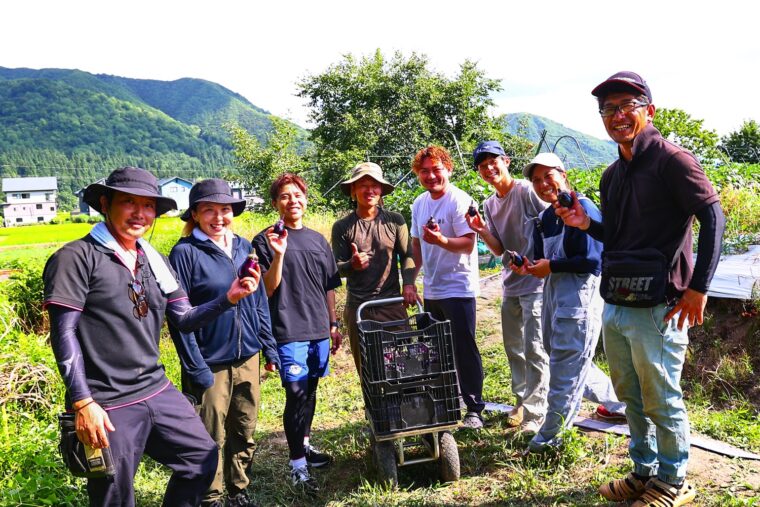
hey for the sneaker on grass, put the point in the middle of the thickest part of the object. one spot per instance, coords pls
(300, 477)
(472, 420)
(629, 487)
(611, 417)
(316, 459)
(240, 500)
(659, 493)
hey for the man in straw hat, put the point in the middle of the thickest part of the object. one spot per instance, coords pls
(107, 295)
(369, 246)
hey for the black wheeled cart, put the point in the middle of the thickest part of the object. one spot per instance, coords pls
(411, 391)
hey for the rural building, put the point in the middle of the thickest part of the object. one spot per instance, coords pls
(29, 200)
(178, 189)
(85, 208)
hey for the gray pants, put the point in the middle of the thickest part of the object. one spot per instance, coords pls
(528, 362)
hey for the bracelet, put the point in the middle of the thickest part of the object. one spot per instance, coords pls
(334, 323)
(88, 403)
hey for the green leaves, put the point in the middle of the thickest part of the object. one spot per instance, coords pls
(385, 109)
(678, 126)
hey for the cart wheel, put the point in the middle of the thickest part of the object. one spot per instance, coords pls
(449, 462)
(385, 460)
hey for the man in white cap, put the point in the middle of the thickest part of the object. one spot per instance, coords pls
(369, 245)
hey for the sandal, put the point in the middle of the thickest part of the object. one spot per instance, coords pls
(662, 494)
(627, 488)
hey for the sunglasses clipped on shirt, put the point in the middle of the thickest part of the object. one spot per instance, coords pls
(624, 108)
(137, 294)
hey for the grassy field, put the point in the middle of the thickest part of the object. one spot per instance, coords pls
(495, 468)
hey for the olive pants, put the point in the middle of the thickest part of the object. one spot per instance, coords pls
(229, 411)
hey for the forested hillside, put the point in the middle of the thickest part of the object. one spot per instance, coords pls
(79, 126)
(595, 151)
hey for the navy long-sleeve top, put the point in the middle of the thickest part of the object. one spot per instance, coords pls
(583, 254)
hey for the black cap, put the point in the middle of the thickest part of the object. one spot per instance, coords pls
(621, 82)
(130, 180)
(213, 190)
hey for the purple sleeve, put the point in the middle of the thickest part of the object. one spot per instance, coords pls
(67, 352)
(187, 318)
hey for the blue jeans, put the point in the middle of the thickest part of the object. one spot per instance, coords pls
(646, 357)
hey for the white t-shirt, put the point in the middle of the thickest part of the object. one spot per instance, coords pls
(511, 220)
(446, 274)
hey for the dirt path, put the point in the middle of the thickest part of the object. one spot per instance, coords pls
(707, 470)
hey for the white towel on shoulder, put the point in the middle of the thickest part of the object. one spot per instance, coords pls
(161, 271)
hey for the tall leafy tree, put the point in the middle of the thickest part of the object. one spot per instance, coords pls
(678, 126)
(258, 164)
(385, 109)
(743, 145)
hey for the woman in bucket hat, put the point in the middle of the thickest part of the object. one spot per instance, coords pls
(107, 295)
(224, 374)
(369, 246)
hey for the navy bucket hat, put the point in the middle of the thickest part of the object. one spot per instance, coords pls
(213, 190)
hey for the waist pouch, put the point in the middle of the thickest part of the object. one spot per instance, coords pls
(636, 278)
(82, 460)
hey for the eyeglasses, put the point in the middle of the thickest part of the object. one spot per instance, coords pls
(624, 108)
(137, 294)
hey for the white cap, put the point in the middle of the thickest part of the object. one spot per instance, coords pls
(547, 159)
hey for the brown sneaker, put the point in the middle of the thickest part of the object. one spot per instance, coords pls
(515, 417)
(662, 494)
(627, 488)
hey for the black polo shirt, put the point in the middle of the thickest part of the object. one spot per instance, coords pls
(120, 352)
(650, 202)
(298, 307)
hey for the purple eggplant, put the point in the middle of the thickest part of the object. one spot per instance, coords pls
(516, 259)
(251, 263)
(472, 210)
(279, 227)
(432, 224)
(565, 199)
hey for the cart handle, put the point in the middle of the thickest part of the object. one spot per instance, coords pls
(380, 302)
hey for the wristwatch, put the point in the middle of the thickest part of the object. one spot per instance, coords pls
(335, 323)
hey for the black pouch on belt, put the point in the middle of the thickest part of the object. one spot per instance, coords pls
(82, 460)
(636, 278)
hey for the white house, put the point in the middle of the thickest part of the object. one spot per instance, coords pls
(178, 189)
(29, 200)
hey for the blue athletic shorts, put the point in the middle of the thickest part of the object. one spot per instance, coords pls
(301, 360)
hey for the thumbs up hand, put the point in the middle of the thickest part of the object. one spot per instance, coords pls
(359, 260)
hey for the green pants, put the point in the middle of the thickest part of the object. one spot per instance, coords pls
(229, 411)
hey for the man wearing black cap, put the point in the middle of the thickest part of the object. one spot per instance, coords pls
(508, 228)
(649, 198)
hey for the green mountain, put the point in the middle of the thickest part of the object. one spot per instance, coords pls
(79, 126)
(589, 152)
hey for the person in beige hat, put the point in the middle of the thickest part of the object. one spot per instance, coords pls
(370, 245)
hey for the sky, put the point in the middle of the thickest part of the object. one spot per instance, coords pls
(702, 57)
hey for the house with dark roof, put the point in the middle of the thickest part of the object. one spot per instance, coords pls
(29, 200)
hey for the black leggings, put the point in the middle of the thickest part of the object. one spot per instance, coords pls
(300, 404)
